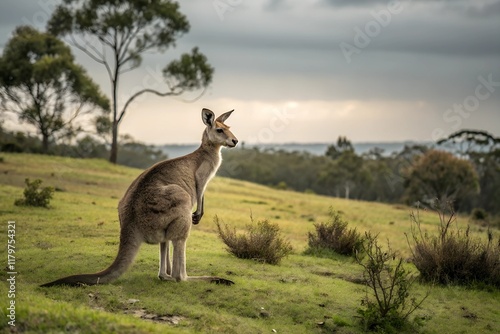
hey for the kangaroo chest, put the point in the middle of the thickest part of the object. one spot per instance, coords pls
(206, 171)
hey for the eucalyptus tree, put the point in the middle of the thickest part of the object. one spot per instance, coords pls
(483, 150)
(117, 33)
(42, 84)
(440, 175)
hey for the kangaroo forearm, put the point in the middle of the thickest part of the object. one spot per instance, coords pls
(200, 205)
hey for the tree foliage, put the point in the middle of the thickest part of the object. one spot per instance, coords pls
(43, 86)
(133, 153)
(440, 175)
(346, 172)
(375, 176)
(128, 29)
(471, 142)
(343, 145)
(482, 149)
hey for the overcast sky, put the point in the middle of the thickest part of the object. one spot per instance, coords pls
(309, 71)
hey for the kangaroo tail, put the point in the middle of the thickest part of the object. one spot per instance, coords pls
(129, 246)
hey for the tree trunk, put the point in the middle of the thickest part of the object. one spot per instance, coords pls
(114, 143)
(45, 143)
(114, 133)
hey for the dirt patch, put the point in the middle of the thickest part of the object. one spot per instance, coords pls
(143, 314)
(352, 279)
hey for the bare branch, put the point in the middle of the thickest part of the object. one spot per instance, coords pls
(125, 41)
(146, 90)
(196, 98)
(105, 41)
(75, 113)
(131, 68)
(99, 56)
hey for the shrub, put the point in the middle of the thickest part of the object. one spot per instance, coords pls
(453, 255)
(281, 185)
(479, 214)
(335, 236)
(34, 196)
(261, 242)
(387, 305)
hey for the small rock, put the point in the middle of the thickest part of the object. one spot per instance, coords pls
(132, 301)
(174, 320)
(263, 313)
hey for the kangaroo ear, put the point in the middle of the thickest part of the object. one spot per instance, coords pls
(224, 116)
(207, 116)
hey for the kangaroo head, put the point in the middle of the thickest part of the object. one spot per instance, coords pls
(217, 133)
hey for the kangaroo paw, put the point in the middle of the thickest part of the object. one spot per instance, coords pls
(196, 218)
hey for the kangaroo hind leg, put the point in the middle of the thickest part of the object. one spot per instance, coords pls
(165, 262)
(179, 267)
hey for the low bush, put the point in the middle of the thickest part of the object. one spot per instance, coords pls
(335, 236)
(261, 242)
(387, 305)
(34, 196)
(453, 255)
(479, 214)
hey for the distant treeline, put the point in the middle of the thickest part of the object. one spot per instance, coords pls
(470, 177)
(132, 153)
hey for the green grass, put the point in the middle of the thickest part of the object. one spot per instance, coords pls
(304, 294)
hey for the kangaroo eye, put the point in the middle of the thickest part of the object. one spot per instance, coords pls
(220, 131)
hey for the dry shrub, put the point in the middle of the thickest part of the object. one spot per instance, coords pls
(387, 306)
(335, 236)
(261, 242)
(453, 255)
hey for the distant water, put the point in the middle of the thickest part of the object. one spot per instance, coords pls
(174, 151)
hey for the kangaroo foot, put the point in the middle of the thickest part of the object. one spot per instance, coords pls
(220, 280)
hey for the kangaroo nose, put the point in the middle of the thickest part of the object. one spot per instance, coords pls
(235, 141)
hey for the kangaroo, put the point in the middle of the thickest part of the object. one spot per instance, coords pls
(157, 208)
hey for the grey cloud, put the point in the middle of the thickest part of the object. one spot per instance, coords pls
(476, 8)
(453, 39)
(273, 5)
(482, 11)
(354, 3)
(274, 50)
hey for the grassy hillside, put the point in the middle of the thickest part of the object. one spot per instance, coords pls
(304, 294)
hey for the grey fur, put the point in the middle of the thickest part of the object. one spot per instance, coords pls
(157, 208)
